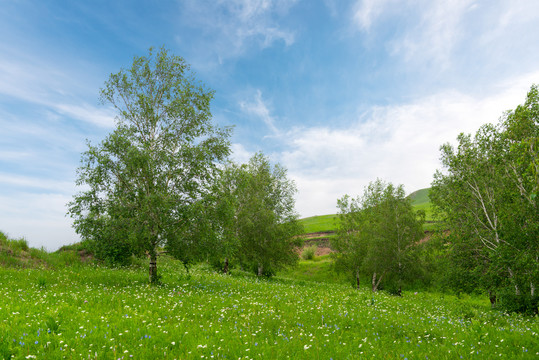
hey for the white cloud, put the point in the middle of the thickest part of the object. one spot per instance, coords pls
(47, 86)
(443, 34)
(397, 143)
(367, 11)
(232, 26)
(64, 187)
(259, 109)
(437, 32)
(97, 116)
(239, 154)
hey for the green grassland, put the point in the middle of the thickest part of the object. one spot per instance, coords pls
(325, 223)
(89, 311)
(421, 201)
(320, 269)
(321, 223)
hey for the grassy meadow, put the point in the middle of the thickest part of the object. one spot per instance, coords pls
(93, 312)
(321, 223)
(64, 305)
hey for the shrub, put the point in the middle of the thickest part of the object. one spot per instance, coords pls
(523, 304)
(309, 252)
(20, 244)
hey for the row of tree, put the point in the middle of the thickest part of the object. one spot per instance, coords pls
(160, 181)
(486, 200)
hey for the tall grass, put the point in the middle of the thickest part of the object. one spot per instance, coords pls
(100, 313)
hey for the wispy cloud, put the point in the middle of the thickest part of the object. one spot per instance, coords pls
(427, 30)
(27, 182)
(239, 154)
(437, 32)
(366, 12)
(232, 26)
(259, 109)
(398, 143)
(433, 33)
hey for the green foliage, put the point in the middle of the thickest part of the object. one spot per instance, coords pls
(326, 223)
(486, 196)
(146, 179)
(524, 303)
(258, 223)
(15, 245)
(376, 235)
(6, 348)
(42, 282)
(52, 325)
(309, 252)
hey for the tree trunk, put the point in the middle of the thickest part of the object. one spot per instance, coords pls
(512, 277)
(260, 269)
(153, 268)
(225, 270)
(492, 298)
(375, 282)
(357, 278)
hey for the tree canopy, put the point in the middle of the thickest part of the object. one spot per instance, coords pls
(259, 224)
(376, 234)
(144, 182)
(487, 195)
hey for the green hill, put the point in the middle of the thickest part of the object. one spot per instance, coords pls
(328, 223)
(321, 223)
(420, 197)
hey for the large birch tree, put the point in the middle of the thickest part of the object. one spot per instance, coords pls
(143, 184)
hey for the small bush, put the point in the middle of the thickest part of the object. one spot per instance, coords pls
(524, 304)
(20, 244)
(309, 252)
(3, 238)
(42, 282)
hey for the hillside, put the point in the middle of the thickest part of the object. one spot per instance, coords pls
(325, 225)
(420, 197)
(15, 253)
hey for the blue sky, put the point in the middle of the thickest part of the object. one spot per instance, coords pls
(338, 92)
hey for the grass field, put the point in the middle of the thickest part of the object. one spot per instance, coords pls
(323, 223)
(318, 270)
(320, 223)
(99, 313)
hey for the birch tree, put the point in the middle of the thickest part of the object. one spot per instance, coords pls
(143, 183)
(376, 234)
(487, 194)
(265, 218)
